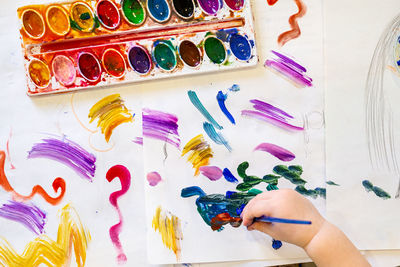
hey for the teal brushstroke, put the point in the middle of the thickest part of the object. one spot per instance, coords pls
(197, 103)
(332, 183)
(234, 88)
(377, 190)
(216, 137)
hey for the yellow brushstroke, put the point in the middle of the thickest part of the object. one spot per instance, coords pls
(169, 227)
(111, 112)
(200, 152)
(44, 250)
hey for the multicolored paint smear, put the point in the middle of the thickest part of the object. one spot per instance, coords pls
(213, 173)
(271, 114)
(289, 69)
(29, 215)
(276, 151)
(169, 227)
(123, 174)
(44, 250)
(199, 151)
(161, 126)
(295, 29)
(58, 183)
(68, 153)
(200, 107)
(216, 137)
(221, 98)
(153, 178)
(110, 112)
(379, 192)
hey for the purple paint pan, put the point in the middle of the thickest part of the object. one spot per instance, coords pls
(210, 7)
(139, 59)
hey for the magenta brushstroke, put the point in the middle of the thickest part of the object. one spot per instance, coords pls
(211, 172)
(68, 153)
(289, 68)
(271, 114)
(153, 178)
(276, 151)
(160, 125)
(29, 215)
(138, 140)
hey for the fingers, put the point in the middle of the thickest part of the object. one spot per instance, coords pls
(262, 227)
(255, 208)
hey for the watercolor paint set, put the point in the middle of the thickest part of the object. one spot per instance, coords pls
(84, 44)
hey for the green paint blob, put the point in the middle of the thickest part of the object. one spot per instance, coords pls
(164, 56)
(133, 11)
(215, 50)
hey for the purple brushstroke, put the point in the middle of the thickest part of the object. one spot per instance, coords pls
(68, 153)
(31, 216)
(276, 151)
(211, 172)
(153, 178)
(274, 121)
(290, 69)
(160, 125)
(138, 140)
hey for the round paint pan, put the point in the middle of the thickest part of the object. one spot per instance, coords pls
(215, 50)
(210, 7)
(108, 14)
(139, 59)
(184, 8)
(39, 73)
(133, 12)
(164, 56)
(57, 20)
(240, 47)
(33, 23)
(235, 5)
(64, 70)
(159, 10)
(89, 67)
(82, 16)
(113, 62)
(190, 54)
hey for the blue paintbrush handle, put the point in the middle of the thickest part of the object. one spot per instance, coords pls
(279, 220)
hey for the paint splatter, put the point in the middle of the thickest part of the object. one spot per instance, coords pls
(138, 140)
(218, 210)
(123, 174)
(161, 126)
(229, 176)
(295, 29)
(211, 172)
(221, 98)
(234, 88)
(58, 183)
(276, 151)
(314, 193)
(68, 153)
(379, 192)
(29, 215)
(45, 251)
(153, 178)
(110, 112)
(216, 137)
(200, 107)
(332, 183)
(199, 152)
(271, 114)
(169, 227)
(289, 69)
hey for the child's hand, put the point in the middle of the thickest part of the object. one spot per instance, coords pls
(288, 204)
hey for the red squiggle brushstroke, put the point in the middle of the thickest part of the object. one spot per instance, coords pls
(224, 218)
(58, 183)
(125, 178)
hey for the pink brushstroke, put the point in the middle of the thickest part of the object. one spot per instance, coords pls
(211, 172)
(121, 172)
(8, 150)
(276, 151)
(138, 140)
(153, 178)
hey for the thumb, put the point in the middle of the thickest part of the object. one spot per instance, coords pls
(262, 227)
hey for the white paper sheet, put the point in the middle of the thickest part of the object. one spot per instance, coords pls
(200, 243)
(353, 29)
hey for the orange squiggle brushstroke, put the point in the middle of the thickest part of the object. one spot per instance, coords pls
(58, 183)
(44, 250)
(295, 31)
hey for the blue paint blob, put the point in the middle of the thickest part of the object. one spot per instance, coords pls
(234, 88)
(240, 209)
(159, 10)
(192, 191)
(240, 47)
(223, 35)
(221, 98)
(398, 63)
(229, 176)
(276, 244)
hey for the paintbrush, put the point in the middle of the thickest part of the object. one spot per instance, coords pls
(279, 220)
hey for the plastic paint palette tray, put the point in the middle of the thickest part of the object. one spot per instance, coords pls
(84, 44)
